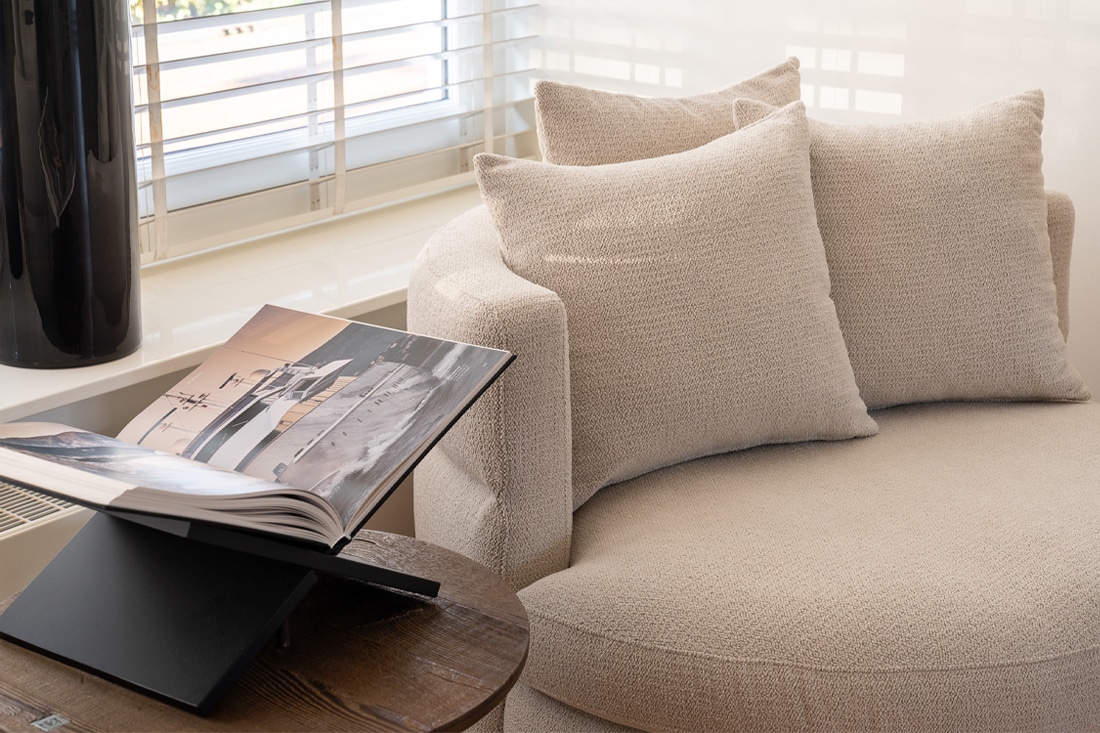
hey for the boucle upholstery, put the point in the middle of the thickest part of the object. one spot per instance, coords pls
(936, 235)
(498, 486)
(944, 574)
(530, 710)
(1060, 224)
(581, 126)
(498, 489)
(722, 228)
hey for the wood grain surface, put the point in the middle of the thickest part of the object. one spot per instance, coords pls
(359, 658)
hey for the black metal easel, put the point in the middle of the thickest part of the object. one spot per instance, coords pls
(174, 609)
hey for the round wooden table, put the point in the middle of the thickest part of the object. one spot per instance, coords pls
(359, 658)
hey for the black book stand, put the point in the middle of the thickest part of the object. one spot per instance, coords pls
(174, 609)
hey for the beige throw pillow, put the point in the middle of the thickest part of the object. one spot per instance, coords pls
(579, 126)
(696, 294)
(936, 236)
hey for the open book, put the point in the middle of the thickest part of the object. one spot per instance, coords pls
(299, 427)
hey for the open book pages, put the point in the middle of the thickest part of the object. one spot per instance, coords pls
(107, 473)
(300, 426)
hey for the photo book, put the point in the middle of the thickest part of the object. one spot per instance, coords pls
(297, 428)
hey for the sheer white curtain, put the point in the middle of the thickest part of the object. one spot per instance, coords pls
(275, 113)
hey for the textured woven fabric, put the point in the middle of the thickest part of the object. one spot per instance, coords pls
(940, 260)
(508, 501)
(497, 486)
(581, 126)
(530, 711)
(1060, 223)
(943, 575)
(696, 294)
(501, 499)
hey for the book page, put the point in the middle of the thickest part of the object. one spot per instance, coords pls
(338, 408)
(99, 471)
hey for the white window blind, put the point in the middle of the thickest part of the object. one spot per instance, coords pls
(275, 113)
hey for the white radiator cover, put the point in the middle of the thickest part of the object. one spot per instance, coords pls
(33, 528)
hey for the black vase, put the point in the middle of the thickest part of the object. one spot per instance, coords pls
(69, 264)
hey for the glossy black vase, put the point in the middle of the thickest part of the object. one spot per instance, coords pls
(69, 263)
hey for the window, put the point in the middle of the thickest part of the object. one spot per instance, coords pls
(253, 116)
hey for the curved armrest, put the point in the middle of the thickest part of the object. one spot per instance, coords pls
(498, 486)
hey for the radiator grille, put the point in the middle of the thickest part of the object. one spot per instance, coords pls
(20, 507)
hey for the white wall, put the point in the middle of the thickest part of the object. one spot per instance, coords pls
(872, 60)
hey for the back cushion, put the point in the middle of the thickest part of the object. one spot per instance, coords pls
(936, 237)
(696, 295)
(579, 126)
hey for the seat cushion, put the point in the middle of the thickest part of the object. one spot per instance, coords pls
(942, 575)
(529, 710)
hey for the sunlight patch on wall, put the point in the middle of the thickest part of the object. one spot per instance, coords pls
(620, 54)
(647, 73)
(833, 98)
(807, 56)
(883, 64)
(850, 65)
(836, 59)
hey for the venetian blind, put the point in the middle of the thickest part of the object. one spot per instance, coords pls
(263, 119)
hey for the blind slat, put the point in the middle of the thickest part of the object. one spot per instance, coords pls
(144, 148)
(309, 109)
(253, 15)
(259, 51)
(261, 204)
(226, 168)
(248, 54)
(326, 75)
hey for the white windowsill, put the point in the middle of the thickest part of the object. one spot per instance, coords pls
(347, 267)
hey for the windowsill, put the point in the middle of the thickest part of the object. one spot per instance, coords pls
(347, 267)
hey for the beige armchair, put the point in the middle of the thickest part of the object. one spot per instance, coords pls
(944, 574)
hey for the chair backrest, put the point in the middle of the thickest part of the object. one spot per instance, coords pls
(498, 487)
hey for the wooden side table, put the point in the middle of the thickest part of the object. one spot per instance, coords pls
(359, 658)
